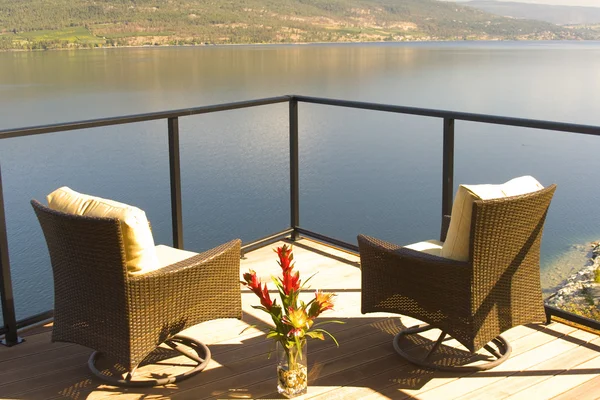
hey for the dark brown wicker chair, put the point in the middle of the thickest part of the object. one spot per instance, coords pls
(97, 304)
(473, 301)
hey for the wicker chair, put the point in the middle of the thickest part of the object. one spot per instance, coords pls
(472, 301)
(99, 305)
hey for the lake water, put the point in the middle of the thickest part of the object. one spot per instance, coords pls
(360, 171)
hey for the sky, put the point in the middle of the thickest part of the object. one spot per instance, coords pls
(585, 3)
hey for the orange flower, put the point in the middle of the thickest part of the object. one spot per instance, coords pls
(322, 302)
(298, 320)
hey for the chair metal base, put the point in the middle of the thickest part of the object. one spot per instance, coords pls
(501, 354)
(200, 353)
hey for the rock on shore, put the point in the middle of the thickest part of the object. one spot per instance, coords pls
(580, 293)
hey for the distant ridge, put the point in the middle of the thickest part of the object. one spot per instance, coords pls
(47, 24)
(559, 15)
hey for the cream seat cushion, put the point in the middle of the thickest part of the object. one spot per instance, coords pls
(433, 247)
(140, 254)
(167, 256)
(457, 241)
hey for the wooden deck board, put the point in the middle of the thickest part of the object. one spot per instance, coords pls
(444, 385)
(568, 359)
(547, 361)
(562, 382)
(590, 390)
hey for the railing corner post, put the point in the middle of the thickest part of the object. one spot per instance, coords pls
(6, 292)
(175, 176)
(294, 170)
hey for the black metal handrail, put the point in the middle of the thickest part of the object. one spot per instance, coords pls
(485, 118)
(128, 119)
(294, 230)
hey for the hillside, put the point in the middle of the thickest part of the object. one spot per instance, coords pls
(560, 15)
(41, 24)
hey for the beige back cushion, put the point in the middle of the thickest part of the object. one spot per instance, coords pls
(457, 241)
(137, 237)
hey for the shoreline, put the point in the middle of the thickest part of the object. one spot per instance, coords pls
(210, 45)
(580, 293)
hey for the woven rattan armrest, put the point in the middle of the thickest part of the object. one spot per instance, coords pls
(391, 272)
(201, 288)
(409, 256)
(416, 271)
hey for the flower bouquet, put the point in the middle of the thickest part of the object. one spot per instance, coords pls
(293, 321)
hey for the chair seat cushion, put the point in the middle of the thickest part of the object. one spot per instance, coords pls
(137, 237)
(433, 247)
(457, 242)
(167, 256)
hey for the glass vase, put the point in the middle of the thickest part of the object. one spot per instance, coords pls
(292, 369)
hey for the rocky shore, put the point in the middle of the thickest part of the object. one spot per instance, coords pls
(580, 293)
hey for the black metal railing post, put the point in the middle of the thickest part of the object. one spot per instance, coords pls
(294, 170)
(447, 176)
(6, 293)
(174, 164)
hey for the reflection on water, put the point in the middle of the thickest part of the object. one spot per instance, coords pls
(361, 172)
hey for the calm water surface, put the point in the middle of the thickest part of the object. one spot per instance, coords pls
(361, 171)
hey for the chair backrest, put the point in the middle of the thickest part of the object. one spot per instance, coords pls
(88, 266)
(505, 252)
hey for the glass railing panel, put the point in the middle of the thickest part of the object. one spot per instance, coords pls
(235, 175)
(370, 172)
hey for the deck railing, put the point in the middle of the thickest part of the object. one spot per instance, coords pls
(11, 325)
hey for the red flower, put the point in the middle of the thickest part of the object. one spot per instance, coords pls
(252, 281)
(285, 258)
(291, 283)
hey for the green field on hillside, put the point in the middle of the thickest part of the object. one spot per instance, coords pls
(72, 35)
(77, 36)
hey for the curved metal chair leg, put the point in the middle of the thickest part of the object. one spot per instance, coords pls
(501, 354)
(174, 343)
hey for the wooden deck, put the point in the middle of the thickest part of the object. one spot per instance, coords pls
(555, 361)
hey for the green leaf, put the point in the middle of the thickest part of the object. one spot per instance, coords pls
(261, 308)
(309, 278)
(328, 322)
(297, 340)
(329, 334)
(315, 335)
(276, 282)
(248, 327)
(276, 312)
(273, 334)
